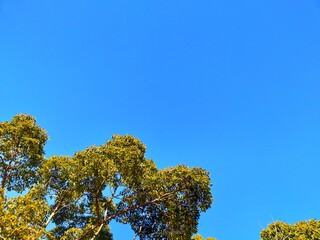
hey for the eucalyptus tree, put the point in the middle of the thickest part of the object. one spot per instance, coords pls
(76, 197)
(21, 156)
(199, 237)
(304, 230)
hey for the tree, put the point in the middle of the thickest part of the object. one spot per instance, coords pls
(21, 155)
(76, 197)
(199, 237)
(305, 230)
(21, 152)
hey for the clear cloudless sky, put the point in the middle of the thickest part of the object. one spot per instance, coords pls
(230, 86)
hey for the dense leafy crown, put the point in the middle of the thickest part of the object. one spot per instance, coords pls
(77, 197)
(21, 152)
(305, 230)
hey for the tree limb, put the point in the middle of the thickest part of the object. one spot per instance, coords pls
(108, 219)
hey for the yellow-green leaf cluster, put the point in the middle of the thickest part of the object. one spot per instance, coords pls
(76, 197)
(304, 230)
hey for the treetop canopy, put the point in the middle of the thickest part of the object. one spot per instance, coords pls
(76, 197)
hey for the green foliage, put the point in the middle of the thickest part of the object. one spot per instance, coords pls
(21, 152)
(22, 217)
(199, 237)
(305, 230)
(79, 196)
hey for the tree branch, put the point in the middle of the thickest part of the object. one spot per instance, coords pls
(140, 228)
(106, 220)
(57, 209)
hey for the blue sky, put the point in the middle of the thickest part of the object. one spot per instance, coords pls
(230, 86)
